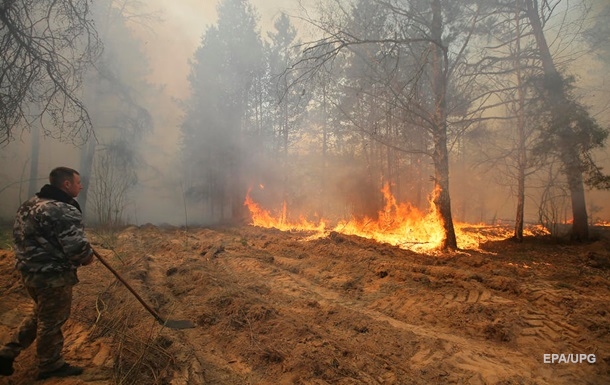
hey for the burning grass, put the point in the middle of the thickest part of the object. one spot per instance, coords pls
(398, 224)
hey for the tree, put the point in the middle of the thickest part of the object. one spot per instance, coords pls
(597, 33)
(116, 84)
(522, 134)
(286, 105)
(508, 61)
(115, 174)
(517, 69)
(570, 132)
(45, 50)
(217, 113)
(435, 35)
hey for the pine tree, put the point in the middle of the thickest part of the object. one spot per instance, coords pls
(222, 77)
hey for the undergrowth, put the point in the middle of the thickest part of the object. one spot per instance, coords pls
(6, 237)
(140, 354)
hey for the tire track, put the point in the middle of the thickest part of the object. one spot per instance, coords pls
(434, 346)
(401, 302)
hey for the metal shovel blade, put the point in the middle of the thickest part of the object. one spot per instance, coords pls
(178, 324)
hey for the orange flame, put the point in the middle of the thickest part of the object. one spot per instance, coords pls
(263, 218)
(398, 224)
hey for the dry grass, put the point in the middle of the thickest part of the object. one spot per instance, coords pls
(6, 237)
(141, 354)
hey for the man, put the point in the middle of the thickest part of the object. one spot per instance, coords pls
(50, 244)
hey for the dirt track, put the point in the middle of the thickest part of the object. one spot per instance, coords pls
(274, 307)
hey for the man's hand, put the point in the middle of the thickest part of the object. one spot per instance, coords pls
(88, 260)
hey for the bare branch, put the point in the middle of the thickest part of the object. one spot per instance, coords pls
(46, 47)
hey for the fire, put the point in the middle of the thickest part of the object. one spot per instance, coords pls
(399, 224)
(263, 218)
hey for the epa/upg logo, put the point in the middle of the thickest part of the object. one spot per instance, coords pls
(569, 358)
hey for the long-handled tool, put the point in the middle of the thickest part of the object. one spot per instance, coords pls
(173, 324)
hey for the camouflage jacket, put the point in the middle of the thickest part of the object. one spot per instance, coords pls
(49, 239)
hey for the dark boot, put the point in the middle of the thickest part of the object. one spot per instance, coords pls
(6, 366)
(65, 371)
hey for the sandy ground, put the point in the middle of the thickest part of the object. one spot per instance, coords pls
(275, 307)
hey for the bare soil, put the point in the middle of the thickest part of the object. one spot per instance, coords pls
(275, 307)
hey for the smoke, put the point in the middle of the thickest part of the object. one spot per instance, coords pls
(168, 43)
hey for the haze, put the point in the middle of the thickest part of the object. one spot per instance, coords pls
(160, 57)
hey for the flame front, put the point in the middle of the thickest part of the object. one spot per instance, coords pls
(263, 218)
(398, 224)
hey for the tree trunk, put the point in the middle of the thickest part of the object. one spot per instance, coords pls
(519, 221)
(521, 136)
(237, 192)
(33, 182)
(285, 169)
(86, 170)
(573, 171)
(554, 87)
(237, 189)
(324, 165)
(441, 196)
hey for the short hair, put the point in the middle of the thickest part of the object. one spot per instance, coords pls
(60, 174)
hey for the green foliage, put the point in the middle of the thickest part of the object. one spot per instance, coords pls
(568, 124)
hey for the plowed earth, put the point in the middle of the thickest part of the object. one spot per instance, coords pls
(275, 307)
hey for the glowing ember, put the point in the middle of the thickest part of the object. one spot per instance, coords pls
(398, 224)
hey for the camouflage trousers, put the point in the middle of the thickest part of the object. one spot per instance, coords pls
(51, 310)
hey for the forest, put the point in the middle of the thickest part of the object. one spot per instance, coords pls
(493, 111)
(367, 192)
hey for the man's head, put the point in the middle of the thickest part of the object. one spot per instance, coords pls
(67, 180)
